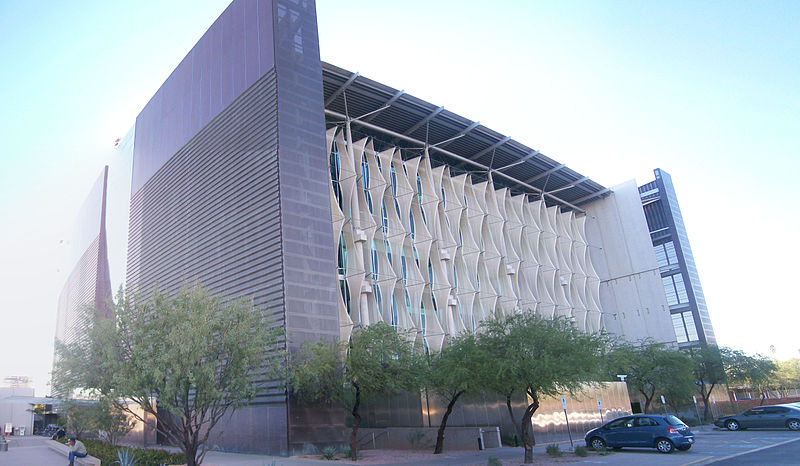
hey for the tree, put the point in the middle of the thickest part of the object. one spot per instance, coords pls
(451, 374)
(708, 371)
(377, 361)
(529, 355)
(652, 369)
(79, 416)
(788, 374)
(755, 371)
(187, 360)
(111, 422)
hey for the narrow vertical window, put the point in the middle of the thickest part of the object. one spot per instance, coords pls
(374, 257)
(365, 181)
(335, 169)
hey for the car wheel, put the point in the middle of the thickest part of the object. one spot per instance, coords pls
(597, 443)
(684, 448)
(664, 445)
(793, 424)
(732, 425)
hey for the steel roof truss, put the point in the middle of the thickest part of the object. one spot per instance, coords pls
(341, 89)
(546, 173)
(456, 156)
(491, 148)
(520, 161)
(423, 121)
(570, 185)
(369, 116)
(462, 133)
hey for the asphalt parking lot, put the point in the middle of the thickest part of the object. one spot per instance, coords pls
(717, 445)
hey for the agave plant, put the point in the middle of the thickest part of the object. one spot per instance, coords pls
(126, 457)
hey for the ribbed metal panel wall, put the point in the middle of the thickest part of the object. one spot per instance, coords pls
(79, 291)
(89, 282)
(211, 215)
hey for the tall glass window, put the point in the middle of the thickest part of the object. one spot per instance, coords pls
(374, 257)
(378, 299)
(419, 199)
(384, 219)
(691, 328)
(669, 291)
(342, 256)
(675, 289)
(422, 317)
(394, 312)
(335, 169)
(394, 182)
(685, 328)
(680, 331)
(345, 290)
(408, 302)
(365, 181)
(665, 254)
(403, 267)
(680, 288)
(342, 270)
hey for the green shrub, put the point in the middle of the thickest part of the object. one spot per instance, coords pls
(107, 454)
(553, 450)
(581, 450)
(126, 457)
(329, 453)
(512, 440)
(494, 462)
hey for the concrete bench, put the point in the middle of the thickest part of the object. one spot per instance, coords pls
(64, 450)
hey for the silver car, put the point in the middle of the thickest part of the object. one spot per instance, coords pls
(776, 416)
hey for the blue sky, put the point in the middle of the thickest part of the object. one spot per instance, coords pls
(704, 90)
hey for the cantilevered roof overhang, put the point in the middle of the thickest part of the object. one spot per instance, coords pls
(393, 117)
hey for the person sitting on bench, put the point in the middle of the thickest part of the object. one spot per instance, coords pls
(77, 450)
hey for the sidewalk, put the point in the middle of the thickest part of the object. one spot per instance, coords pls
(33, 451)
(30, 451)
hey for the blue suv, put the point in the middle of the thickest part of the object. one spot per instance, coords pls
(665, 433)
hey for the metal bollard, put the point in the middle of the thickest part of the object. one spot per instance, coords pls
(480, 439)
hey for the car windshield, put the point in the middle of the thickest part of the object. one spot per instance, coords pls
(674, 421)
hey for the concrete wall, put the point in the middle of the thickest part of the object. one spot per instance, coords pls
(14, 408)
(424, 438)
(631, 291)
(488, 413)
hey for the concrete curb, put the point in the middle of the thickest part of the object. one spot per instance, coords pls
(64, 450)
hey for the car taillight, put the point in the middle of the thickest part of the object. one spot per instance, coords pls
(672, 430)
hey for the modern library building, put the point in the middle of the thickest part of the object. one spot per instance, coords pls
(335, 201)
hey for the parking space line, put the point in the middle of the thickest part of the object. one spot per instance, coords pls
(699, 460)
(754, 450)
